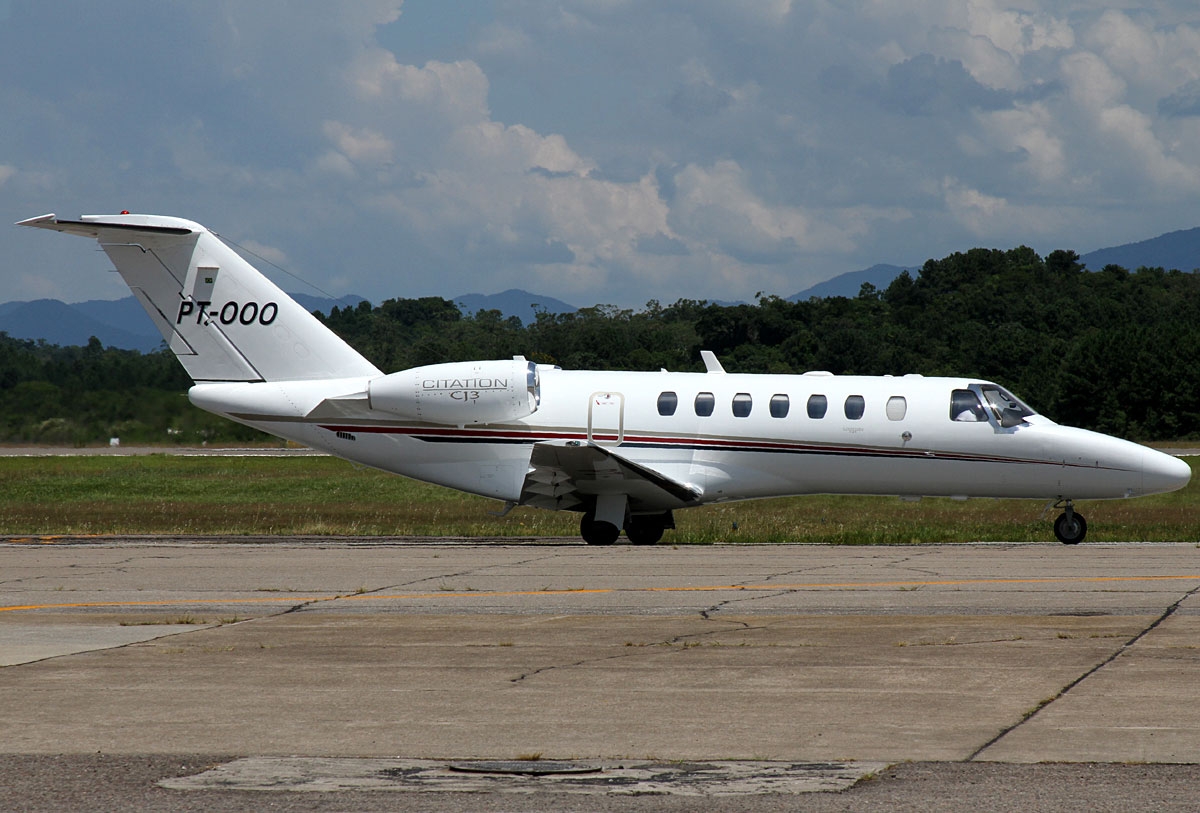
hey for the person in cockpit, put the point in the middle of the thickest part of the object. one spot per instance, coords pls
(965, 406)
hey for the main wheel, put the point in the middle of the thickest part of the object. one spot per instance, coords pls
(596, 532)
(1070, 528)
(645, 531)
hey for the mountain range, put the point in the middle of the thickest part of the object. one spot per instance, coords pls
(1177, 249)
(116, 322)
(513, 302)
(122, 322)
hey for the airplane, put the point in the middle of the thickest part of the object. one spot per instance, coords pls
(623, 449)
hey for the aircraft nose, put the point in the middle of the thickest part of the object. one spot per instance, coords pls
(1163, 472)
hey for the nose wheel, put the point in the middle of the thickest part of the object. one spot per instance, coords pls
(1070, 527)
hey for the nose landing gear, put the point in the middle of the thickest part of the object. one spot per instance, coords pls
(1070, 527)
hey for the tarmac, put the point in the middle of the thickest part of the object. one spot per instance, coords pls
(330, 673)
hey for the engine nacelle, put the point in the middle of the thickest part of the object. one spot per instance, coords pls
(460, 393)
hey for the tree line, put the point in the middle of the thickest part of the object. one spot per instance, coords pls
(1110, 350)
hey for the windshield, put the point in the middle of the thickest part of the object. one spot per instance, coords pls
(1009, 409)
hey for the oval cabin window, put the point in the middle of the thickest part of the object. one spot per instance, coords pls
(896, 408)
(856, 405)
(667, 403)
(705, 403)
(780, 406)
(817, 405)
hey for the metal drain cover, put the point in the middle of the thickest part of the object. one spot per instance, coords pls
(525, 767)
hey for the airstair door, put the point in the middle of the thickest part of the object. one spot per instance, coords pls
(606, 418)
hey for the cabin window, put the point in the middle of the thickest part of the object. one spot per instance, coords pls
(742, 404)
(780, 406)
(856, 405)
(965, 406)
(896, 408)
(817, 405)
(705, 403)
(667, 403)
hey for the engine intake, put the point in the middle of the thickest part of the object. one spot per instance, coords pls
(460, 393)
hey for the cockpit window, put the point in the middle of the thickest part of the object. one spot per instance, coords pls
(1009, 409)
(965, 406)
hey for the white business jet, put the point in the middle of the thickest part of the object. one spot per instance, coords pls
(624, 449)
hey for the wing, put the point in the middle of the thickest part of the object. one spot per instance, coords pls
(565, 474)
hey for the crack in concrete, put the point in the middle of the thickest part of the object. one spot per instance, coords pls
(1122, 649)
(705, 614)
(413, 583)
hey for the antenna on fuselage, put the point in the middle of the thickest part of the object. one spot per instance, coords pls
(710, 362)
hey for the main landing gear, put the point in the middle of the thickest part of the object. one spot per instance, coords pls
(643, 529)
(597, 532)
(1070, 527)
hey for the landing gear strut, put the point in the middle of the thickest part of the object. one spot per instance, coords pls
(1070, 528)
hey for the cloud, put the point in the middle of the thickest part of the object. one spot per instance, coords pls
(271, 254)
(695, 100)
(662, 245)
(1124, 133)
(361, 145)
(456, 91)
(499, 39)
(985, 214)
(930, 86)
(603, 148)
(1184, 101)
(1028, 131)
(698, 96)
(716, 206)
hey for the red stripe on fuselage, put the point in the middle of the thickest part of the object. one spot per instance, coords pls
(695, 443)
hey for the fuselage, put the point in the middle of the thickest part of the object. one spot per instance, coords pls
(730, 436)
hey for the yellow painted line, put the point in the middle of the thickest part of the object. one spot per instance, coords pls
(708, 588)
(50, 539)
(930, 583)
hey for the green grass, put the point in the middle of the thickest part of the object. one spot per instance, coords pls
(160, 494)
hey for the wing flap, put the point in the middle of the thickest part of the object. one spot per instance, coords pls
(565, 474)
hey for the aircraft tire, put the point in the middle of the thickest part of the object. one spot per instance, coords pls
(1070, 528)
(644, 532)
(597, 532)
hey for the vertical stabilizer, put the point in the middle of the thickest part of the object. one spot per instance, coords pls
(223, 319)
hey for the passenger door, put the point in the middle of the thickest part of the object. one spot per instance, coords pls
(606, 418)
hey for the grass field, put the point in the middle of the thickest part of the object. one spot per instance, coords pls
(160, 494)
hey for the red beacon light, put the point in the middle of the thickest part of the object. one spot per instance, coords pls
(124, 211)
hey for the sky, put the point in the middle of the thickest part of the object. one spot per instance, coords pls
(597, 151)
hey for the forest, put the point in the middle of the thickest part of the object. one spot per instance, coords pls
(1112, 350)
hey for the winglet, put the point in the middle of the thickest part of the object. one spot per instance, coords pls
(41, 221)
